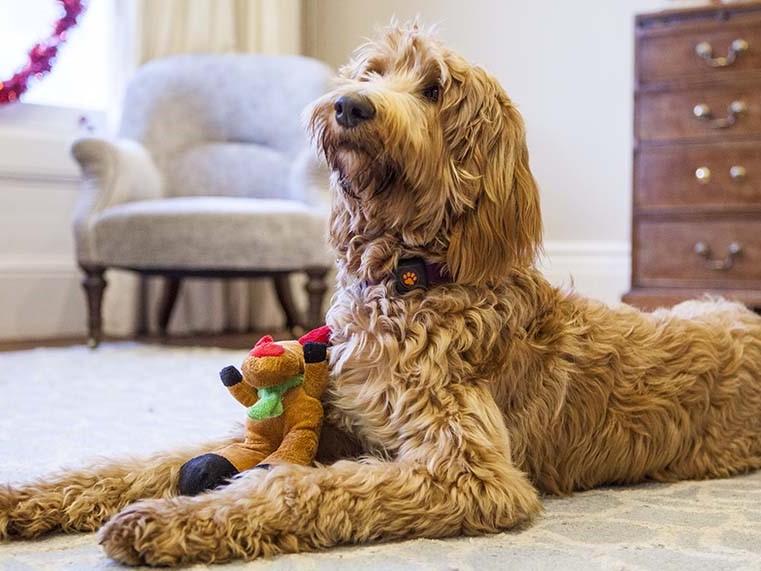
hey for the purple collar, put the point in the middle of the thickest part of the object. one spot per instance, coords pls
(416, 273)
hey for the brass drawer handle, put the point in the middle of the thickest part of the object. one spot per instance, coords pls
(703, 174)
(703, 112)
(738, 173)
(703, 250)
(705, 52)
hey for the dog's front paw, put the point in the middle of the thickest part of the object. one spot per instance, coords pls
(170, 532)
(23, 515)
(8, 499)
(141, 533)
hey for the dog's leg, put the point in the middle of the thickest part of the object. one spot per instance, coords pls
(456, 478)
(82, 499)
(295, 508)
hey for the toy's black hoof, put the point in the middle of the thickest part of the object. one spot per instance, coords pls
(205, 473)
(315, 352)
(230, 376)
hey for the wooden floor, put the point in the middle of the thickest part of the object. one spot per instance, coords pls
(242, 341)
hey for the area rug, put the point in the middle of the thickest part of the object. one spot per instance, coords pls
(125, 398)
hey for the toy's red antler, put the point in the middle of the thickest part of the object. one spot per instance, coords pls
(263, 340)
(319, 335)
(266, 348)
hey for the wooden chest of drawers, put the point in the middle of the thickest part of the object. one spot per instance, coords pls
(696, 224)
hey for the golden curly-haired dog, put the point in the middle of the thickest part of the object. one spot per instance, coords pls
(463, 402)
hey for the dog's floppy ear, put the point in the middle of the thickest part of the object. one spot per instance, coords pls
(501, 227)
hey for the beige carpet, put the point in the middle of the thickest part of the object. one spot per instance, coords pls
(132, 399)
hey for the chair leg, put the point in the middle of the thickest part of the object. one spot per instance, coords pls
(284, 296)
(316, 287)
(94, 283)
(168, 299)
(141, 319)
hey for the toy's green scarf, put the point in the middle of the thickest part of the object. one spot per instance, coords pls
(270, 403)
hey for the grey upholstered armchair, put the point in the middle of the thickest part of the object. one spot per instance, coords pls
(211, 176)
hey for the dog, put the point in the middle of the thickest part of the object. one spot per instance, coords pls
(463, 384)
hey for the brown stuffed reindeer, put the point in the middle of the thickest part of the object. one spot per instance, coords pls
(281, 385)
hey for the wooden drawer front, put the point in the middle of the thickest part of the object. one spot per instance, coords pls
(720, 176)
(665, 253)
(670, 54)
(670, 115)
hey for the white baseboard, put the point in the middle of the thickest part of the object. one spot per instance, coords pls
(40, 297)
(597, 269)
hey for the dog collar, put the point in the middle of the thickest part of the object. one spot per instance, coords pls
(415, 273)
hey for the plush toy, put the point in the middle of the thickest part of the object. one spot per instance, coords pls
(281, 385)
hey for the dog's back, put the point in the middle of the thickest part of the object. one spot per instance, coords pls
(598, 395)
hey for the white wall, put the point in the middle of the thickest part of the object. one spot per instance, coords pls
(39, 280)
(569, 68)
(40, 295)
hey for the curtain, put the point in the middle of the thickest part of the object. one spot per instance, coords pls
(168, 27)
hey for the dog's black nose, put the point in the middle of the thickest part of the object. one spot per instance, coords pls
(351, 110)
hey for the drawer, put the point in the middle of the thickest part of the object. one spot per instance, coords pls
(672, 115)
(665, 252)
(728, 47)
(722, 176)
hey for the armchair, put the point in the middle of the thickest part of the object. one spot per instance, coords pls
(210, 176)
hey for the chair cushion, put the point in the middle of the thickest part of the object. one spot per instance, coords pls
(210, 233)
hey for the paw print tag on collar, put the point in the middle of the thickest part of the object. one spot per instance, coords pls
(410, 274)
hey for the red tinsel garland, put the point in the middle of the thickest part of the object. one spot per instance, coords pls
(42, 54)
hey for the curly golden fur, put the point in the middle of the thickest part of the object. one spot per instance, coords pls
(460, 404)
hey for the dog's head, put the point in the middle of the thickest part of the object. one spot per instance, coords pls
(428, 151)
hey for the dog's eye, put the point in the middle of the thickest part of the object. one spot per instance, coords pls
(432, 92)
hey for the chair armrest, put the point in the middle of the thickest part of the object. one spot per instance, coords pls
(116, 171)
(309, 181)
(113, 171)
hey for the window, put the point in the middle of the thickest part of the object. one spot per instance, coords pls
(81, 74)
